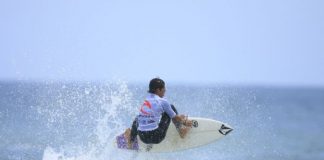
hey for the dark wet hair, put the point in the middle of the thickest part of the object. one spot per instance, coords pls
(156, 83)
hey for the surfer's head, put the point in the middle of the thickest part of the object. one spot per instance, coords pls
(157, 86)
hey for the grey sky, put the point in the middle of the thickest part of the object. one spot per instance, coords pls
(229, 41)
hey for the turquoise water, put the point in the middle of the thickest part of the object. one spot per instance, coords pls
(80, 120)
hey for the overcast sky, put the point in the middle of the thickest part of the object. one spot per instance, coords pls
(276, 42)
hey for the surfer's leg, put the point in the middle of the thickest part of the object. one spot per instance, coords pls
(165, 120)
(156, 136)
(131, 133)
(174, 109)
(134, 131)
(181, 128)
(164, 125)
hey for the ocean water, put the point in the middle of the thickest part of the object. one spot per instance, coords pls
(78, 121)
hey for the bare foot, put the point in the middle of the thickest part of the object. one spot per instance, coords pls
(188, 123)
(183, 131)
(127, 135)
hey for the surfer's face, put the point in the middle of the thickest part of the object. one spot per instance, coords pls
(160, 92)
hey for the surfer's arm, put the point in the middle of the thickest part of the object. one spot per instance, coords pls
(168, 109)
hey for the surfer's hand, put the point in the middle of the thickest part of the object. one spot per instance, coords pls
(185, 121)
(183, 117)
(179, 118)
(188, 123)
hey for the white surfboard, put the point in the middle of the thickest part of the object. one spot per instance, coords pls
(203, 132)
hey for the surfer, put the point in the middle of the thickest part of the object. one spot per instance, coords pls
(155, 115)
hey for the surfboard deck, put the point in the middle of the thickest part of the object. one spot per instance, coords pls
(204, 131)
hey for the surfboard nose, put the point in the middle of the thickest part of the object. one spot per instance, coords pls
(225, 129)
